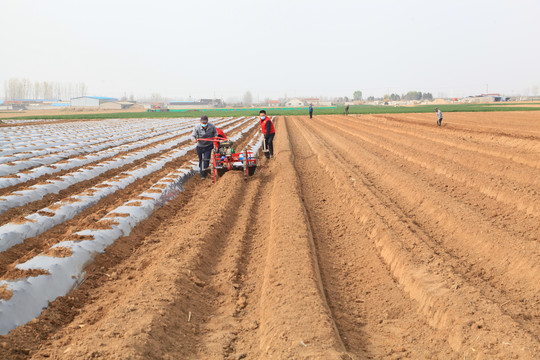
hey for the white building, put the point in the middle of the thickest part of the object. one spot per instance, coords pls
(90, 101)
(294, 103)
(116, 105)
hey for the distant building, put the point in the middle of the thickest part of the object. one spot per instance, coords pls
(313, 101)
(294, 103)
(177, 105)
(484, 98)
(273, 103)
(24, 104)
(90, 101)
(4, 106)
(199, 104)
(116, 105)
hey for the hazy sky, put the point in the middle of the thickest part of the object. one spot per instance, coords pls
(305, 48)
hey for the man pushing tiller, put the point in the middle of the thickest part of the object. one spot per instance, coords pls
(204, 130)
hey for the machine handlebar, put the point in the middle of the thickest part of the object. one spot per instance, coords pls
(215, 138)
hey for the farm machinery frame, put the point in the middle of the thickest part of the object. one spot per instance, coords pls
(224, 159)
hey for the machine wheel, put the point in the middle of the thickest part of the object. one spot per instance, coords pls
(253, 169)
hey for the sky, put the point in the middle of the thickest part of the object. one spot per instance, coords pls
(306, 48)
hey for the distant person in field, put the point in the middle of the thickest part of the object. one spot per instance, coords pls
(347, 110)
(311, 111)
(204, 130)
(268, 130)
(439, 116)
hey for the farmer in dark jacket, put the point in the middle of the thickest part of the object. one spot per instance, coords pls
(204, 130)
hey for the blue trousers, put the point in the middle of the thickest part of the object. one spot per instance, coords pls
(204, 154)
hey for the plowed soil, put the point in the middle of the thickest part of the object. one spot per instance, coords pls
(365, 237)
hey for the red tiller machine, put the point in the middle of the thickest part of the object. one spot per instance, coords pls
(225, 159)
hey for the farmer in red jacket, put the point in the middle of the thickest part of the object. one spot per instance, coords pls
(268, 130)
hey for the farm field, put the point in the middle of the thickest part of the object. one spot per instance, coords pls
(367, 236)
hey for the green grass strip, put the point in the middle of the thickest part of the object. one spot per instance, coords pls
(355, 109)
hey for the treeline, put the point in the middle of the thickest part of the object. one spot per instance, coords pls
(25, 89)
(411, 95)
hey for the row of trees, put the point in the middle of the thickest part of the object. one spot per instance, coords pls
(25, 89)
(411, 95)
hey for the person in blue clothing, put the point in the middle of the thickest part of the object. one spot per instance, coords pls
(439, 116)
(204, 130)
(311, 111)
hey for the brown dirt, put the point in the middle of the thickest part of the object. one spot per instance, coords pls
(5, 294)
(15, 274)
(58, 252)
(365, 237)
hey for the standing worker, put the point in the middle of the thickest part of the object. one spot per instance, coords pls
(310, 111)
(347, 109)
(268, 130)
(204, 130)
(439, 116)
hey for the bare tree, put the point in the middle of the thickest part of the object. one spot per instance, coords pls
(47, 90)
(82, 89)
(27, 88)
(155, 97)
(247, 100)
(37, 90)
(15, 88)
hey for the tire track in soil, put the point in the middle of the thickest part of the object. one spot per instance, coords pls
(373, 316)
(228, 278)
(296, 321)
(259, 315)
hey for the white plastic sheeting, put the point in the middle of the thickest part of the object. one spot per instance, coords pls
(31, 295)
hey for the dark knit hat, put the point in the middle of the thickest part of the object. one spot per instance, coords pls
(204, 118)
